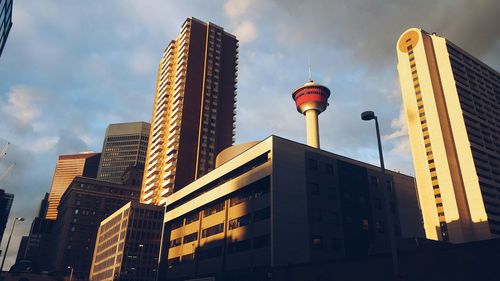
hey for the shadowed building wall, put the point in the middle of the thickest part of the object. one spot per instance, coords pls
(452, 104)
(193, 113)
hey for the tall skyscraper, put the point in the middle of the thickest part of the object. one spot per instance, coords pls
(5, 21)
(452, 104)
(6, 200)
(194, 108)
(69, 166)
(125, 145)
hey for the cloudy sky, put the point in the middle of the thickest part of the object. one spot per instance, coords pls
(70, 68)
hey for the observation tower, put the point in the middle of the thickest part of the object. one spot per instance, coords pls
(311, 99)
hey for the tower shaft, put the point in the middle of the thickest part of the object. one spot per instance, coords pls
(312, 128)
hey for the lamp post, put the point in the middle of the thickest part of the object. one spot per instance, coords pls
(70, 273)
(8, 241)
(367, 116)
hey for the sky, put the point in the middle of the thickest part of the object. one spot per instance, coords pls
(70, 68)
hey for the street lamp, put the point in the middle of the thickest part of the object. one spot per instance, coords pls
(71, 273)
(367, 116)
(8, 241)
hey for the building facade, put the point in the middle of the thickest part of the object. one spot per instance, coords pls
(128, 244)
(5, 21)
(125, 145)
(6, 200)
(452, 104)
(276, 203)
(194, 108)
(83, 206)
(70, 166)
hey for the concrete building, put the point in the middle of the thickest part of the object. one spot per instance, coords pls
(83, 206)
(5, 22)
(275, 203)
(194, 108)
(452, 104)
(6, 200)
(70, 166)
(128, 244)
(125, 145)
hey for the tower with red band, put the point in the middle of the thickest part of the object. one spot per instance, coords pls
(311, 99)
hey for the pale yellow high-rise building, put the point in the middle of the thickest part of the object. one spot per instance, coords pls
(194, 109)
(68, 167)
(452, 106)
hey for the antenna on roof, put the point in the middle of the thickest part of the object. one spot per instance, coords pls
(309, 67)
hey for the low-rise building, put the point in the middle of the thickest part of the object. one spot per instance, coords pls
(276, 203)
(128, 244)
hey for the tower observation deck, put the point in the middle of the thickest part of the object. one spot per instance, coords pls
(311, 99)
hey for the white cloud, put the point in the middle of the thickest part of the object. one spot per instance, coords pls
(21, 105)
(246, 31)
(237, 8)
(43, 144)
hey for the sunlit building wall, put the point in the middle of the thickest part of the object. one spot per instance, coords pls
(68, 167)
(452, 107)
(275, 203)
(194, 108)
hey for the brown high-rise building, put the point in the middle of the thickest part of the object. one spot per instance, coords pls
(194, 109)
(125, 145)
(69, 166)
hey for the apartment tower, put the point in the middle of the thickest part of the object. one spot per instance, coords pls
(452, 104)
(125, 145)
(69, 166)
(194, 109)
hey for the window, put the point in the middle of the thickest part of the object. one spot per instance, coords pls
(176, 224)
(316, 214)
(365, 224)
(239, 222)
(329, 169)
(239, 246)
(211, 252)
(262, 214)
(313, 188)
(173, 261)
(317, 242)
(312, 164)
(335, 245)
(333, 218)
(216, 229)
(213, 209)
(192, 218)
(190, 237)
(261, 241)
(175, 242)
(379, 226)
(238, 199)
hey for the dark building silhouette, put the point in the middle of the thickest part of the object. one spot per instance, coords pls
(5, 22)
(35, 245)
(125, 144)
(83, 206)
(6, 200)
